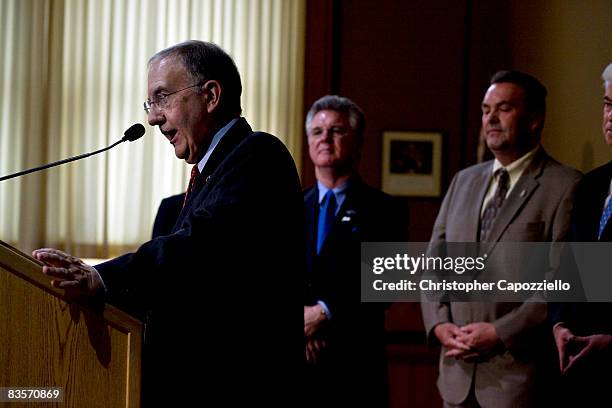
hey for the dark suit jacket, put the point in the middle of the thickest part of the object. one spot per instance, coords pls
(222, 291)
(167, 214)
(584, 385)
(591, 193)
(537, 209)
(355, 334)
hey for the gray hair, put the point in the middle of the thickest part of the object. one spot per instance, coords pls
(607, 74)
(206, 61)
(339, 104)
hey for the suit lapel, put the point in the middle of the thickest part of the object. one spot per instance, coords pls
(310, 206)
(605, 188)
(353, 190)
(520, 194)
(473, 216)
(230, 140)
(350, 199)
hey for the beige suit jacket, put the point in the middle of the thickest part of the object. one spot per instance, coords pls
(537, 209)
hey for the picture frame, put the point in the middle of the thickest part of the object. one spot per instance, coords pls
(412, 163)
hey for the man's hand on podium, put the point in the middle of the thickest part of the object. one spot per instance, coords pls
(72, 274)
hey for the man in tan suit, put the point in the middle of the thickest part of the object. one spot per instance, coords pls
(492, 352)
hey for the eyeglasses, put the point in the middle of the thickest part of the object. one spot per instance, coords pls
(161, 100)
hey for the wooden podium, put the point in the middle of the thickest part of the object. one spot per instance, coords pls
(46, 341)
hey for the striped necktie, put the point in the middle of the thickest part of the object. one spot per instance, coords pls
(605, 217)
(493, 206)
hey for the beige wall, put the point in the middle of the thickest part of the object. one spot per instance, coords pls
(567, 44)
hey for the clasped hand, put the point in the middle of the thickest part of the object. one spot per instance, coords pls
(575, 350)
(467, 342)
(314, 319)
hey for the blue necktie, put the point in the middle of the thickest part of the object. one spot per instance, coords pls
(605, 216)
(327, 214)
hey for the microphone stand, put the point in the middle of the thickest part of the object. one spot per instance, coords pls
(57, 163)
(133, 133)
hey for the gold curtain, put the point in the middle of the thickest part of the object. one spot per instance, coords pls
(73, 78)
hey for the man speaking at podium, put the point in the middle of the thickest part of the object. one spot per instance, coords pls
(220, 296)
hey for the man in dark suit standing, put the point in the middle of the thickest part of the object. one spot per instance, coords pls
(492, 354)
(167, 214)
(583, 331)
(345, 348)
(225, 327)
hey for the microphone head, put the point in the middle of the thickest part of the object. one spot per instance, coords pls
(136, 131)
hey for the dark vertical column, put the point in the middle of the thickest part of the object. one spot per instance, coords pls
(336, 47)
(489, 50)
(321, 63)
(465, 86)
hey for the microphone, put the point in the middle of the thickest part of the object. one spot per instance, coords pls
(134, 132)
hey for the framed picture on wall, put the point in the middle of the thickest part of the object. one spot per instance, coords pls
(412, 163)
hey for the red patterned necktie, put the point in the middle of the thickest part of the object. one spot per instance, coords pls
(194, 173)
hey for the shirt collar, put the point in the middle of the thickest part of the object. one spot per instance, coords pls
(517, 167)
(215, 141)
(339, 192)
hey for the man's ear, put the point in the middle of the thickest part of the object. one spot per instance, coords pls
(212, 94)
(536, 122)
